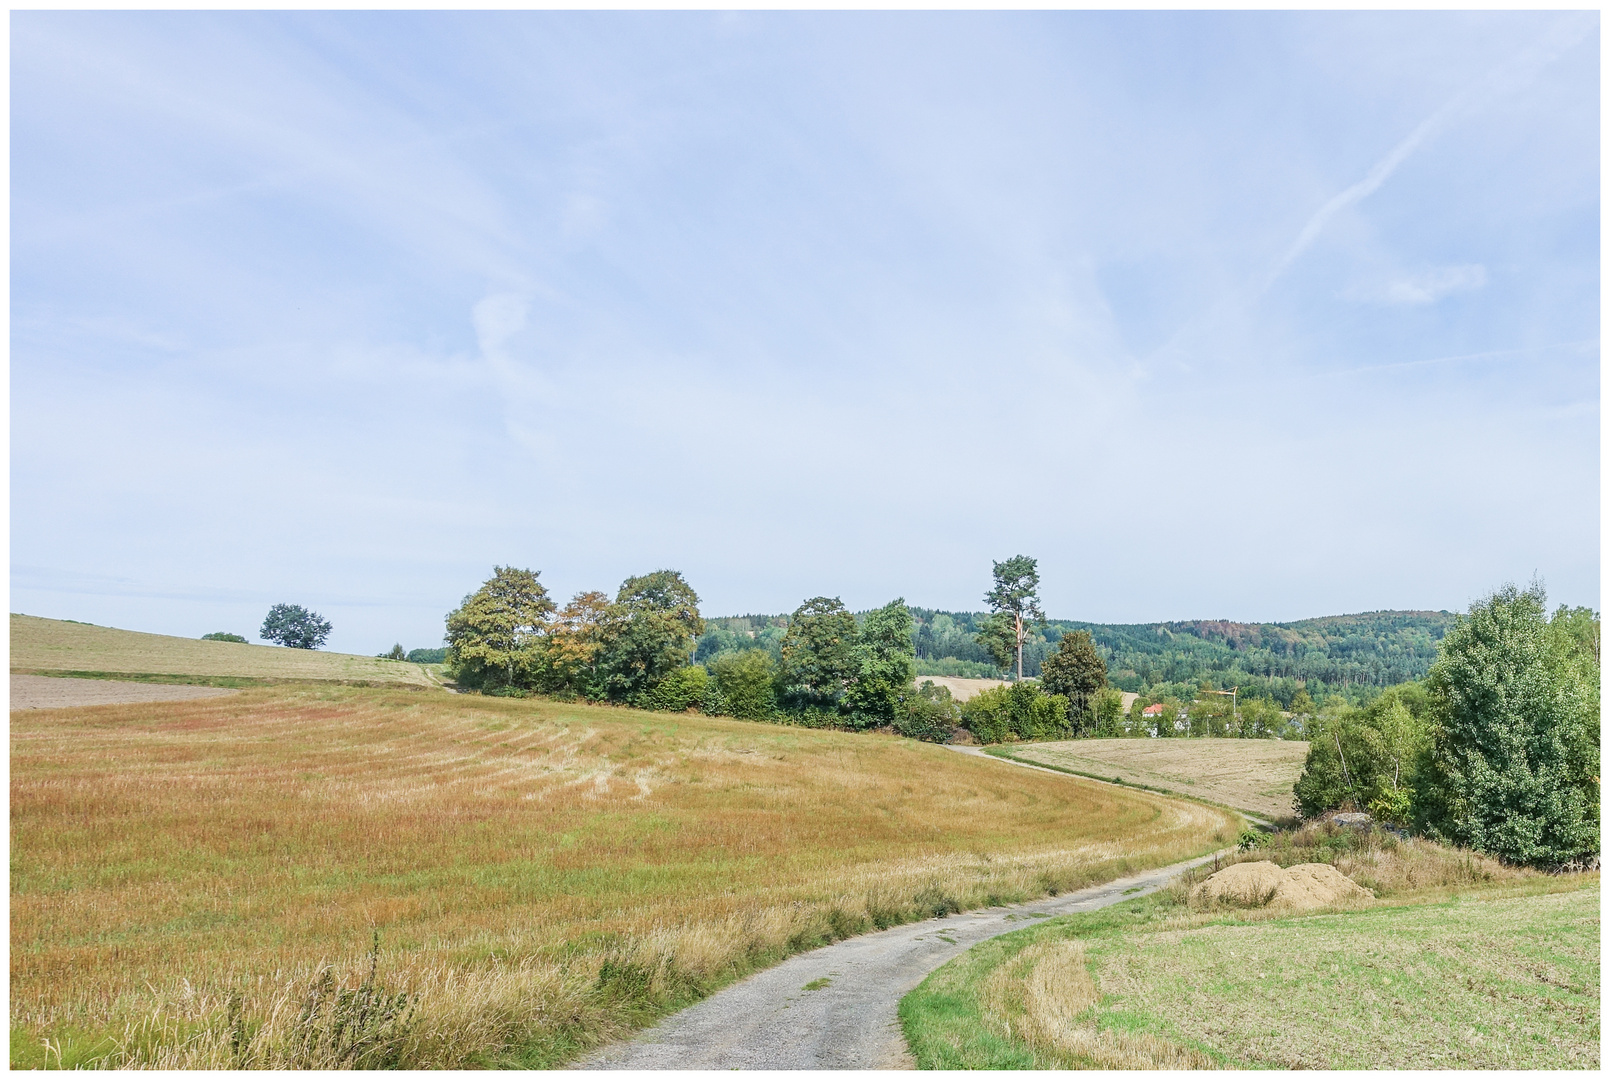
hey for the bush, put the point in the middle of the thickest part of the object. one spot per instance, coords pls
(222, 636)
(427, 656)
(745, 685)
(930, 714)
(681, 690)
(1018, 711)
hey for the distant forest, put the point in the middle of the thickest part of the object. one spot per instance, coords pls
(1353, 656)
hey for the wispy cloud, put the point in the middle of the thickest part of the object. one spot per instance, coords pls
(1421, 289)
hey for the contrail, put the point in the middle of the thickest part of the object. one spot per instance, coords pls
(1509, 76)
(1494, 355)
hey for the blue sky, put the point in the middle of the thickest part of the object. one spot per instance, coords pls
(1252, 316)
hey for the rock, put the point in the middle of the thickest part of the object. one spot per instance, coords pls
(1359, 821)
(1263, 884)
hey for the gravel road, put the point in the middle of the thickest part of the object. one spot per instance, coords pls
(772, 1020)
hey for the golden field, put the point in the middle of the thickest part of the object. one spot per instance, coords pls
(541, 876)
(43, 646)
(1255, 775)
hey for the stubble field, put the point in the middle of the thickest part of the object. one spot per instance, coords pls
(541, 876)
(1255, 775)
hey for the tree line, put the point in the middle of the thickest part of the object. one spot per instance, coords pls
(822, 666)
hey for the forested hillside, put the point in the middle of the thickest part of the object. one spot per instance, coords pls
(1352, 655)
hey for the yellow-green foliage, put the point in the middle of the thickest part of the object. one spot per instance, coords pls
(53, 645)
(542, 876)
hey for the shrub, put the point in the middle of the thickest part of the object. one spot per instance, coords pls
(930, 714)
(426, 656)
(744, 682)
(1018, 711)
(223, 636)
(681, 690)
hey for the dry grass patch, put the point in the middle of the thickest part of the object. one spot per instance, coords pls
(542, 876)
(43, 646)
(1250, 774)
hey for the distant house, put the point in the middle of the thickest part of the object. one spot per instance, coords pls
(1151, 712)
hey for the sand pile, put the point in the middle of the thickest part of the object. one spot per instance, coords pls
(1263, 884)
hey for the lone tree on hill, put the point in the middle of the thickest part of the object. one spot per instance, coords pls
(295, 627)
(1015, 600)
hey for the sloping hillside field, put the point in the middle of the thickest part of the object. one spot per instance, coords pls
(538, 876)
(54, 646)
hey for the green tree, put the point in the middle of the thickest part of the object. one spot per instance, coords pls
(1514, 762)
(744, 684)
(397, 653)
(1016, 596)
(818, 652)
(648, 633)
(494, 638)
(1107, 713)
(1075, 671)
(223, 635)
(997, 636)
(295, 627)
(885, 665)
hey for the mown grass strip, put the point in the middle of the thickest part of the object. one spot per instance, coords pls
(1501, 977)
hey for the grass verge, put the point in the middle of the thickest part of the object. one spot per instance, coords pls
(1479, 971)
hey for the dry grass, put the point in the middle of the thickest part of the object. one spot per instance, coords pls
(1045, 997)
(51, 645)
(1255, 775)
(543, 876)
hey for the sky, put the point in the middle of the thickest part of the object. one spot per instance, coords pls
(1253, 316)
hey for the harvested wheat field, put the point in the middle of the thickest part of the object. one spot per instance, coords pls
(1255, 775)
(541, 876)
(42, 646)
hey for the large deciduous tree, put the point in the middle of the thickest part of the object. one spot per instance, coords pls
(1514, 762)
(494, 638)
(818, 652)
(647, 633)
(1016, 596)
(295, 627)
(885, 667)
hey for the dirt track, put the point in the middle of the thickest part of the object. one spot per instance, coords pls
(41, 692)
(841, 1000)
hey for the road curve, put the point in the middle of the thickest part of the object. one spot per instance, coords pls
(772, 1021)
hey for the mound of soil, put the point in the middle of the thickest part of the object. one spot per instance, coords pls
(1263, 884)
